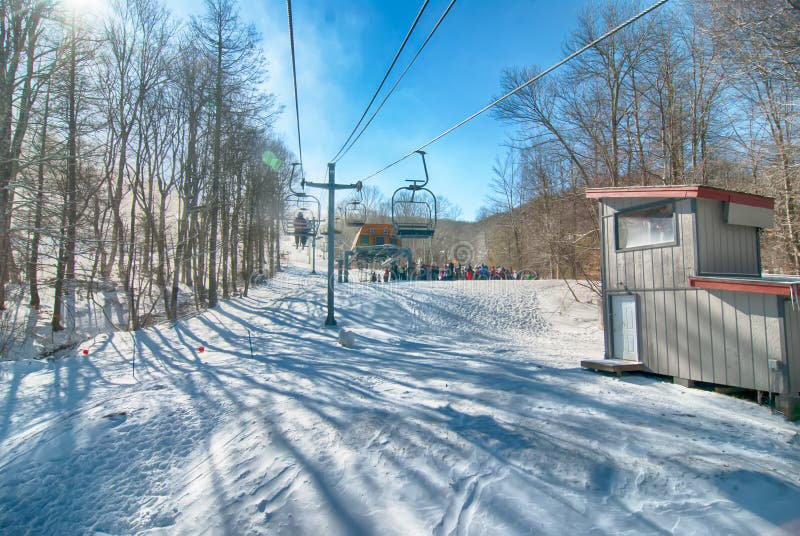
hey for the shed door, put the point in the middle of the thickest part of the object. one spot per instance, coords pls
(623, 327)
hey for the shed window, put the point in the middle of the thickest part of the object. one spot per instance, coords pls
(646, 227)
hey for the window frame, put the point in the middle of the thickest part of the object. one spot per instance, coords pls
(667, 202)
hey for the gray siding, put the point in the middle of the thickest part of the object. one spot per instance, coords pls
(714, 336)
(793, 347)
(722, 248)
(720, 337)
(659, 267)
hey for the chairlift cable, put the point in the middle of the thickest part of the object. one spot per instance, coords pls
(294, 78)
(524, 85)
(397, 82)
(385, 76)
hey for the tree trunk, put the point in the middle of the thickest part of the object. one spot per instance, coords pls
(33, 257)
(234, 238)
(225, 246)
(72, 179)
(19, 35)
(56, 323)
(215, 173)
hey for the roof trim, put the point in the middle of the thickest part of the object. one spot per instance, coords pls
(745, 285)
(702, 192)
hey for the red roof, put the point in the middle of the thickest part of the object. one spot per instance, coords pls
(756, 286)
(702, 192)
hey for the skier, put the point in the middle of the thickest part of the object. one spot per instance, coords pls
(300, 231)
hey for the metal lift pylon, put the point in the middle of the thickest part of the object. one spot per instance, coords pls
(331, 186)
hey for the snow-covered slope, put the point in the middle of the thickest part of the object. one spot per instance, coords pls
(461, 409)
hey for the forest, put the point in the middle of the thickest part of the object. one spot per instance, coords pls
(702, 92)
(138, 152)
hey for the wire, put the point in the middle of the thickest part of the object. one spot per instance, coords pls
(419, 51)
(518, 88)
(385, 76)
(294, 77)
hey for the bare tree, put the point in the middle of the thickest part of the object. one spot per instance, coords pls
(191, 82)
(602, 76)
(20, 35)
(507, 199)
(762, 43)
(235, 64)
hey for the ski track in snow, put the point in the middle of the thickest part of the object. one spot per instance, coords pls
(461, 410)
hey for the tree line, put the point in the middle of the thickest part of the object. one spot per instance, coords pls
(136, 152)
(700, 92)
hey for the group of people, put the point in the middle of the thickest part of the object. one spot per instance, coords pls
(449, 272)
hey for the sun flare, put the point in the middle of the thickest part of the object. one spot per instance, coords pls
(84, 7)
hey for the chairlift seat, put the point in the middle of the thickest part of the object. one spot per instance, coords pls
(312, 226)
(414, 208)
(414, 230)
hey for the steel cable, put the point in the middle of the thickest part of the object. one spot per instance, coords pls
(294, 78)
(397, 82)
(385, 76)
(522, 86)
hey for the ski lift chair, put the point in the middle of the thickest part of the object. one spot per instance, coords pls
(414, 217)
(355, 214)
(305, 204)
(338, 227)
(414, 208)
(299, 202)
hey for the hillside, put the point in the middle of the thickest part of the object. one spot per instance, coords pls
(460, 409)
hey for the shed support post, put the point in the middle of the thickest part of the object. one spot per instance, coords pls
(789, 406)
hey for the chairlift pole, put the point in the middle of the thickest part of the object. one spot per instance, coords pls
(330, 320)
(312, 250)
(331, 186)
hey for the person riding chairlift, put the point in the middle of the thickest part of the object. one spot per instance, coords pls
(300, 231)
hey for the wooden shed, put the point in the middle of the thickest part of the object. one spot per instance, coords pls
(683, 291)
(376, 234)
(376, 243)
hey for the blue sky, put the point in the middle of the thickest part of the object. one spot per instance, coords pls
(342, 51)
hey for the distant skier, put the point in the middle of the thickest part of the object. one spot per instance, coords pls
(300, 231)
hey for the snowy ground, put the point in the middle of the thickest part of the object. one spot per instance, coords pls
(462, 409)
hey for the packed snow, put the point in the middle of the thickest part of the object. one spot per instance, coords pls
(453, 408)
